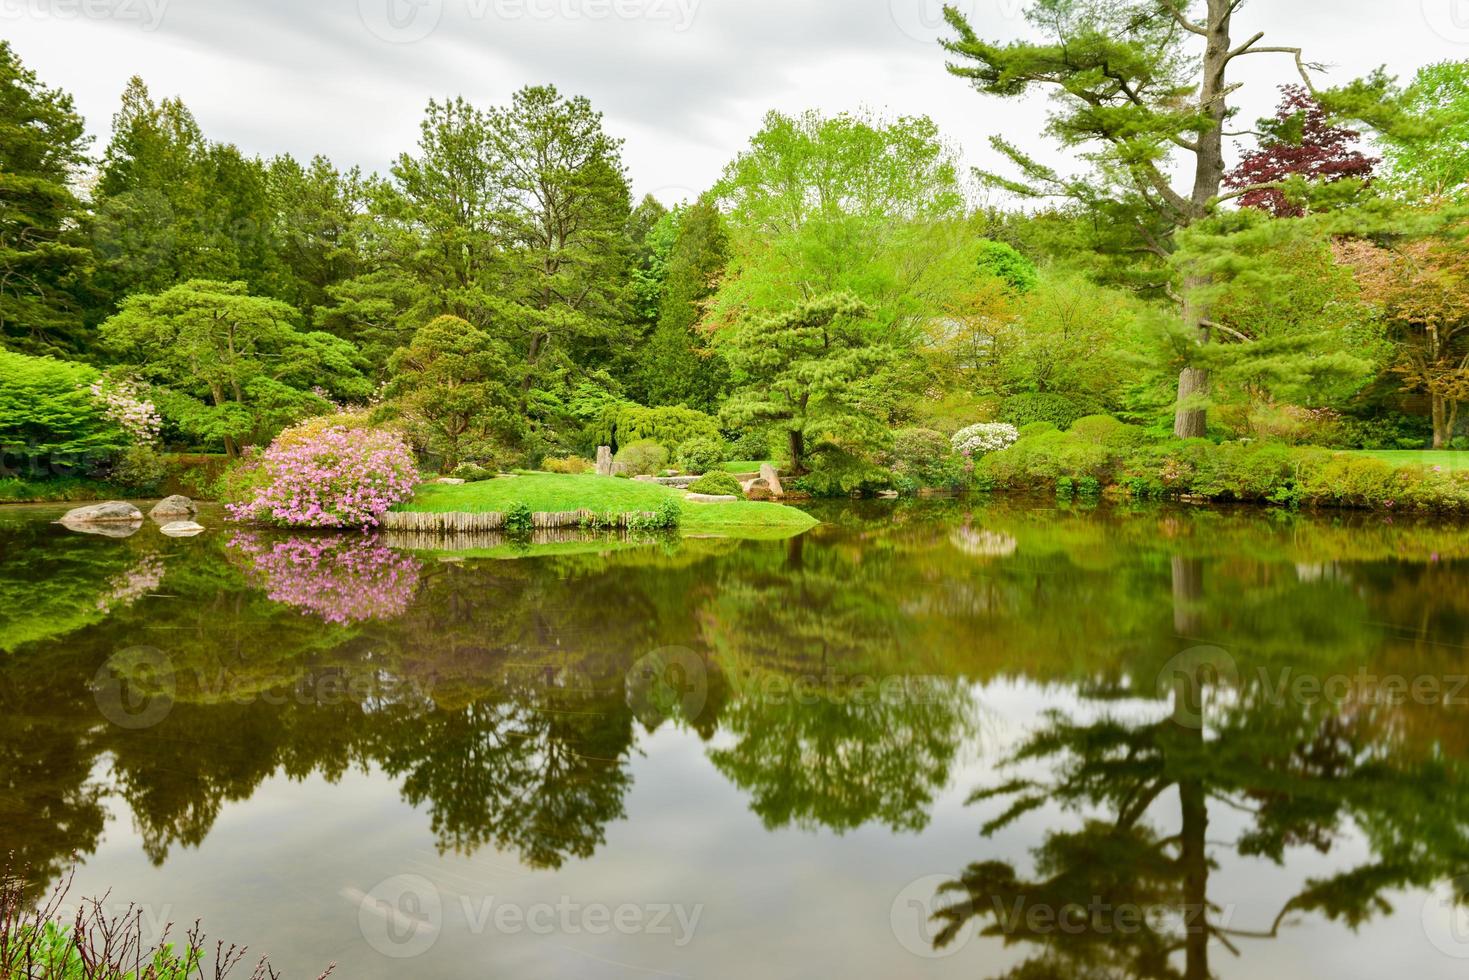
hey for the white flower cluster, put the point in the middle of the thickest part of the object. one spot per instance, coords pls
(986, 437)
(125, 405)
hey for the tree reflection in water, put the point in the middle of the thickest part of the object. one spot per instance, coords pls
(500, 697)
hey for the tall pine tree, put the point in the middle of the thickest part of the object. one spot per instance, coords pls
(44, 257)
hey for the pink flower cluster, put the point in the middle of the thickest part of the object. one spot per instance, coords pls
(340, 579)
(130, 586)
(338, 477)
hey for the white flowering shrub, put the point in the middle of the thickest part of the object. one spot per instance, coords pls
(985, 437)
(124, 404)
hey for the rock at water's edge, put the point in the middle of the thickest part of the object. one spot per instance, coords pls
(175, 508)
(112, 512)
(772, 478)
(182, 529)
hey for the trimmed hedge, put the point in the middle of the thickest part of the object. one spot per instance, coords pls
(1104, 453)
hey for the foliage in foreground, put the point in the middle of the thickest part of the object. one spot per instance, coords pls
(35, 943)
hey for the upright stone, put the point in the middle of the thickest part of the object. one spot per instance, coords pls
(175, 508)
(772, 478)
(604, 460)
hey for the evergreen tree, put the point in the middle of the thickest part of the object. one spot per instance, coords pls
(43, 256)
(1134, 95)
(562, 219)
(680, 367)
(237, 368)
(815, 370)
(453, 386)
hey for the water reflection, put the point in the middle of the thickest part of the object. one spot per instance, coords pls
(836, 682)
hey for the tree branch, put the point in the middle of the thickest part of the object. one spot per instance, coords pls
(1183, 21)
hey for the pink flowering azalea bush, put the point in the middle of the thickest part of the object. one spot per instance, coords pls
(327, 476)
(339, 579)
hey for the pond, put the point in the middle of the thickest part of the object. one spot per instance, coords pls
(944, 738)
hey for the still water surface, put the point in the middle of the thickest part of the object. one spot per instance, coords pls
(936, 739)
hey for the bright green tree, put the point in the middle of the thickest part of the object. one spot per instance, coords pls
(43, 257)
(1430, 157)
(453, 385)
(48, 415)
(855, 204)
(237, 367)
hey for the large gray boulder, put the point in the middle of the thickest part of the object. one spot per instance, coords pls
(175, 508)
(112, 512)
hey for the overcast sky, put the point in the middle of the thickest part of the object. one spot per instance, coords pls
(684, 82)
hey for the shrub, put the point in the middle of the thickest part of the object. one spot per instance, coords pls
(643, 458)
(519, 518)
(669, 426)
(1104, 430)
(700, 455)
(751, 444)
(835, 472)
(717, 483)
(985, 437)
(1059, 410)
(139, 469)
(665, 517)
(925, 458)
(473, 473)
(336, 477)
(572, 465)
(49, 414)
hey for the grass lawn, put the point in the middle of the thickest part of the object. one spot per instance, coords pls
(744, 465)
(1449, 459)
(556, 492)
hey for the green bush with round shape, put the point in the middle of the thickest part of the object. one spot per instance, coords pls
(700, 455)
(717, 483)
(643, 458)
(472, 473)
(1059, 410)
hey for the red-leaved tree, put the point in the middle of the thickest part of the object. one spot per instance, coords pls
(1299, 140)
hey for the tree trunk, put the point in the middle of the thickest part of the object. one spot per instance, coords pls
(1441, 425)
(1195, 861)
(798, 451)
(1191, 420)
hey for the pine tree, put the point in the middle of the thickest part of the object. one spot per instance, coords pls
(44, 258)
(1133, 94)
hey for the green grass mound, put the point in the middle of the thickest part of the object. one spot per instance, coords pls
(560, 492)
